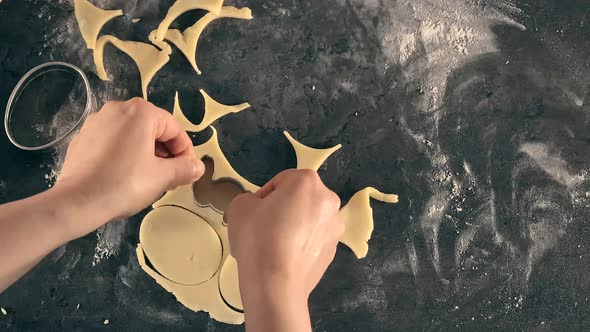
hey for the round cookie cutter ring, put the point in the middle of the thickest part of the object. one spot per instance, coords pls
(22, 83)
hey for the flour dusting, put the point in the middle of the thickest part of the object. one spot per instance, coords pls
(109, 239)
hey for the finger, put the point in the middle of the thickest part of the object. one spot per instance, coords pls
(239, 205)
(180, 171)
(168, 131)
(161, 150)
(275, 182)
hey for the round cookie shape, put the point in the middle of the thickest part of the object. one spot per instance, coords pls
(180, 245)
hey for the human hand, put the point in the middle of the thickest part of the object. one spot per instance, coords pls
(123, 159)
(283, 238)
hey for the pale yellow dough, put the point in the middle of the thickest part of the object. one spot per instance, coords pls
(357, 216)
(182, 6)
(180, 245)
(187, 41)
(91, 20)
(148, 58)
(213, 111)
(310, 158)
(229, 285)
(210, 296)
(223, 169)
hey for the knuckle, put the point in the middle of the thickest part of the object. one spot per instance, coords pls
(133, 106)
(334, 200)
(308, 176)
(235, 206)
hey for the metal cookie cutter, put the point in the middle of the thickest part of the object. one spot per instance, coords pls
(48, 104)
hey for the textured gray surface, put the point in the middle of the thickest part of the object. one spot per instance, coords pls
(488, 149)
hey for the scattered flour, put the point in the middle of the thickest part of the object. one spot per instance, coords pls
(430, 39)
(109, 239)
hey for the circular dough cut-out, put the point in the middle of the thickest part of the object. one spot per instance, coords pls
(229, 286)
(180, 245)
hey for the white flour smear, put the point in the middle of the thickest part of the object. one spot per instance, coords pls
(445, 32)
(109, 239)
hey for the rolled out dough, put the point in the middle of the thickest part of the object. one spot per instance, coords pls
(223, 169)
(183, 6)
(187, 41)
(356, 215)
(215, 194)
(148, 58)
(213, 111)
(229, 285)
(180, 245)
(91, 20)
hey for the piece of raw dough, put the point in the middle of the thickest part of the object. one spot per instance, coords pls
(187, 41)
(229, 284)
(91, 20)
(223, 169)
(148, 58)
(182, 6)
(180, 245)
(357, 216)
(310, 158)
(213, 111)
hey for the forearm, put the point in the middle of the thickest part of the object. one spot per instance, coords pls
(275, 308)
(33, 227)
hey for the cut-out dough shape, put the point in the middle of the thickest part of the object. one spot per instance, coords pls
(91, 20)
(357, 216)
(215, 194)
(310, 158)
(180, 245)
(213, 111)
(182, 6)
(229, 285)
(148, 58)
(187, 41)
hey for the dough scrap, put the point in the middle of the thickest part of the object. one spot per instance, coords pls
(91, 19)
(357, 216)
(310, 158)
(180, 245)
(223, 169)
(148, 58)
(213, 111)
(187, 41)
(182, 6)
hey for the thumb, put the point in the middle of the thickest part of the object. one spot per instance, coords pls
(181, 171)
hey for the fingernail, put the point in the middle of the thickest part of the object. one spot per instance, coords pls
(198, 168)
